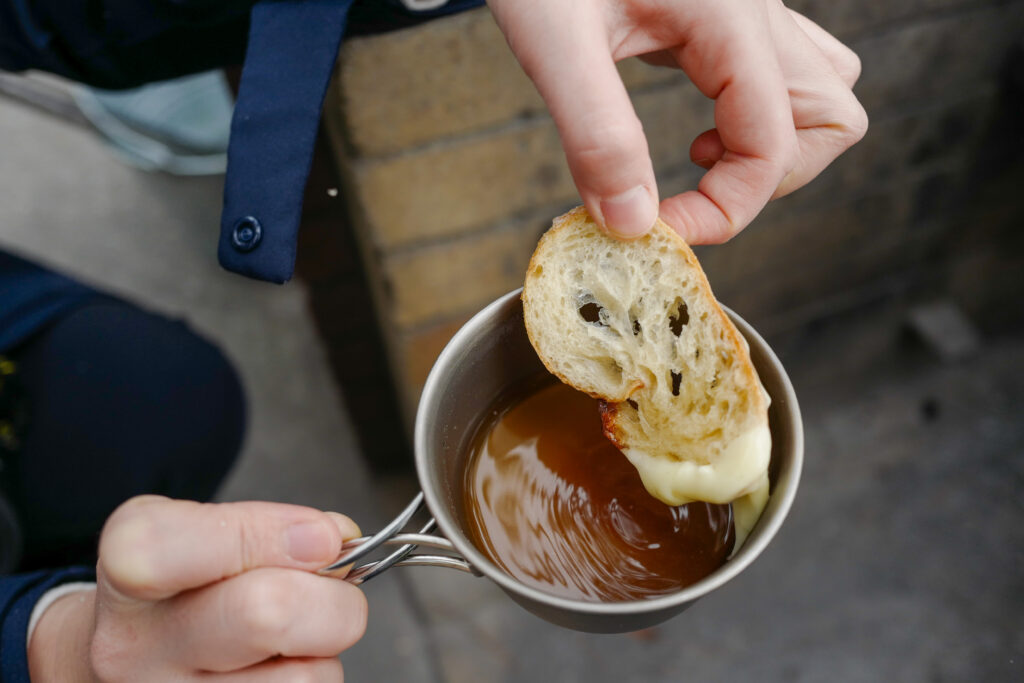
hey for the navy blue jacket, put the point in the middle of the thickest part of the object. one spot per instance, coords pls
(289, 49)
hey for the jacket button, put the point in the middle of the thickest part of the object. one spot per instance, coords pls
(246, 234)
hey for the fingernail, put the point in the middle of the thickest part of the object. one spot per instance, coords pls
(311, 542)
(346, 526)
(631, 213)
(704, 163)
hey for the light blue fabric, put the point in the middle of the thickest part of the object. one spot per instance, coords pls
(179, 126)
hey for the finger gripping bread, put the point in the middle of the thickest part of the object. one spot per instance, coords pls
(634, 323)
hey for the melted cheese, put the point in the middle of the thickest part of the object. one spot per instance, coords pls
(738, 475)
(746, 510)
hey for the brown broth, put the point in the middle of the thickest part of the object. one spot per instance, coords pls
(550, 500)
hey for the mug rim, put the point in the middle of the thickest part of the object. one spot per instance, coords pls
(780, 501)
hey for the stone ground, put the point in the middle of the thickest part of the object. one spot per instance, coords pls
(902, 559)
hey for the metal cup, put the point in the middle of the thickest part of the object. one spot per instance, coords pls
(490, 355)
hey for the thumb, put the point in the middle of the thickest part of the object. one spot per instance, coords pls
(570, 62)
(153, 548)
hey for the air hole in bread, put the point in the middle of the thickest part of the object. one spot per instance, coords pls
(677, 378)
(678, 320)
(633, 404)
(634, 316)
(591, 313)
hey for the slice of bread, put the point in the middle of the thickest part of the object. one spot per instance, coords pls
(634, 323)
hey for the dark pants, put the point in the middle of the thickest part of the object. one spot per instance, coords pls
(119, 402)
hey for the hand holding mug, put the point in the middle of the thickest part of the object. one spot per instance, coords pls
(218, 592)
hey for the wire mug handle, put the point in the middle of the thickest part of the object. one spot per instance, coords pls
(359, 548)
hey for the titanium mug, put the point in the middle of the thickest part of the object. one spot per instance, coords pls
(487, 357)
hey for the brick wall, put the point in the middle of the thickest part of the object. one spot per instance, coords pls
(452, 169)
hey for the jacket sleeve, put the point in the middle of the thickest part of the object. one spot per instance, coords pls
(125, 43)
(18, 595)
(122, 43)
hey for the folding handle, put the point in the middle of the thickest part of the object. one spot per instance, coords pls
(359, 548)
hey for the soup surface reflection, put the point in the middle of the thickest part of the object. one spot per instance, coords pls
(553, 502)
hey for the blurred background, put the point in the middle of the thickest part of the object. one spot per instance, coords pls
(891, 288)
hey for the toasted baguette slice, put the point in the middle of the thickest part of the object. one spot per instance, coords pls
(635, 324)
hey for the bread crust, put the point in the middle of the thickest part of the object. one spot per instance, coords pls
(609, 413)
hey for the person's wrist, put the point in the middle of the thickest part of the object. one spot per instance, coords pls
(59, 647)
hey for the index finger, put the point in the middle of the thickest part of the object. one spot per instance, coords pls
(563, 47)
(733, 61)
(153, 548)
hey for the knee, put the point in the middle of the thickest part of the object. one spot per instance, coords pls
(142, 390)
(205, 414)
(196, 403)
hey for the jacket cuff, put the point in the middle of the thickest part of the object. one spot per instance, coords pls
(18, 597)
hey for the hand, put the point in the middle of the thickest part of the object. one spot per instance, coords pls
(214, 592)
(784, 108)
